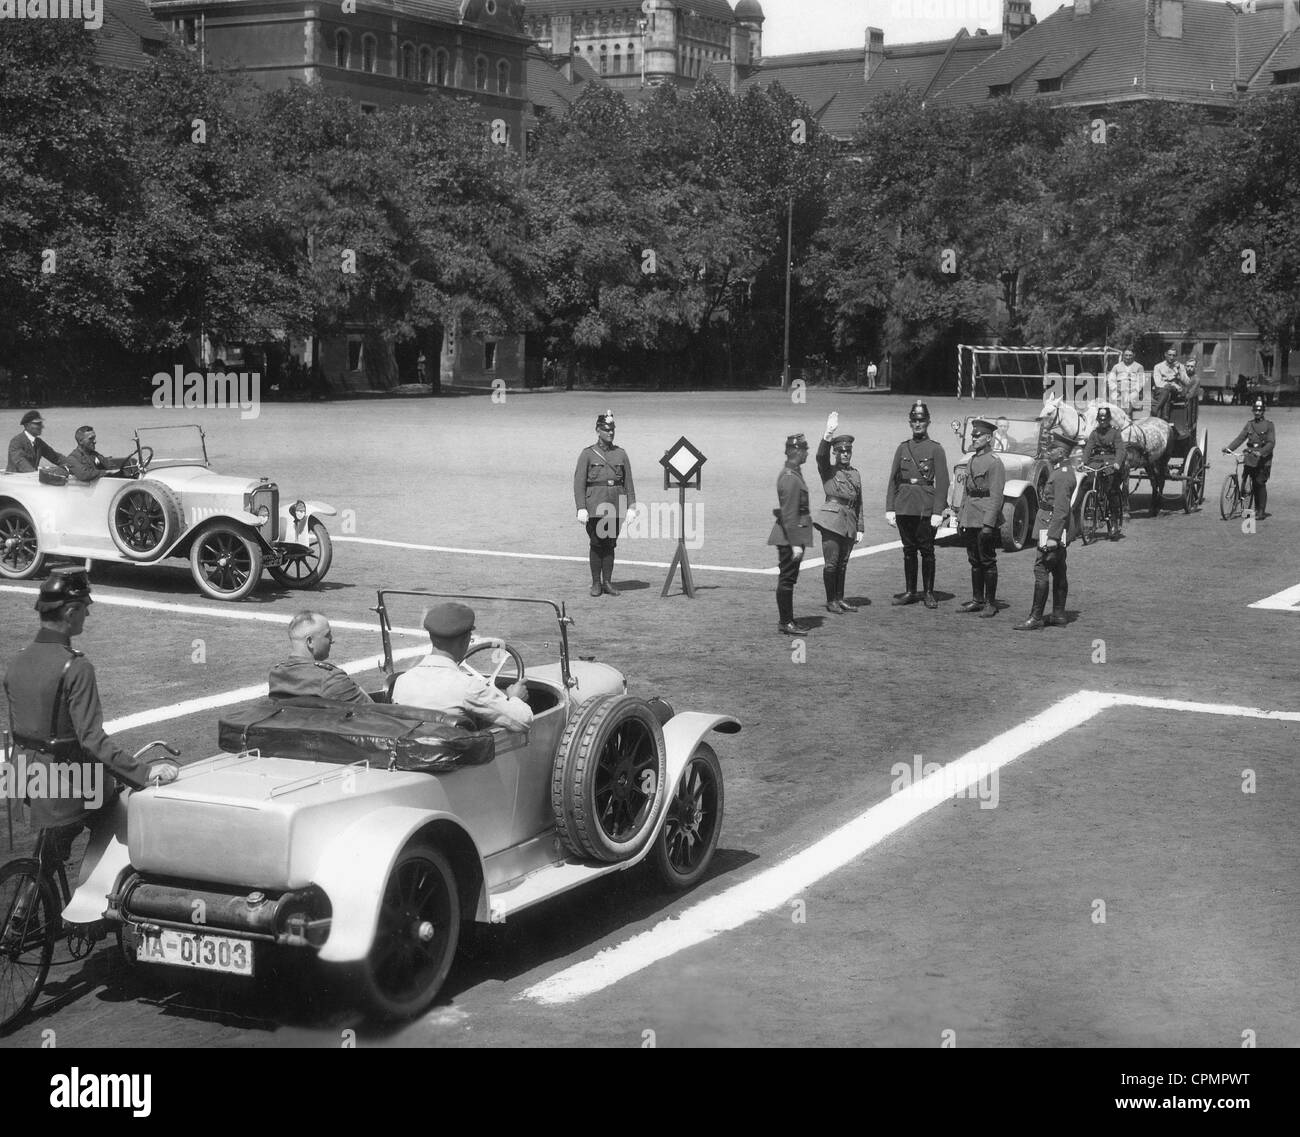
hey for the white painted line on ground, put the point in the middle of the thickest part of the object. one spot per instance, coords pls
(772, 888)
(238, 695)
(1288, 600)
(231, 613)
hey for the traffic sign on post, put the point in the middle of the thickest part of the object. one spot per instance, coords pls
(682, 465)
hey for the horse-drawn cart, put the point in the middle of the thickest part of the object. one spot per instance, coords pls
(1184, 459)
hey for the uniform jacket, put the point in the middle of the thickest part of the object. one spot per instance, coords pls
(62, 727)
(297, 676)
(25, 454)
(86, 468)
(436, 683)
(793, 521)
(842, 512)
(986, 478)
(602, 478)
(1106, 445)
(918, 479)
(1054, 506)
(1260, 439)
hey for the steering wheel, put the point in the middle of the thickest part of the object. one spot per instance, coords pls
(508, 653)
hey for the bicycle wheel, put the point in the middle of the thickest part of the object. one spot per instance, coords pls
(1229, 497)
(1089, 517)
(30, 921)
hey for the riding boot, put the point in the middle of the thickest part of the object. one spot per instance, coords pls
(1261, 500)
(1035, 620)
(593, 558)
(607, 575)
(990, 593)
(1060, 591)
(927, 582)
(840, 583)
(911, 596)
(976, 601)
(830, 582)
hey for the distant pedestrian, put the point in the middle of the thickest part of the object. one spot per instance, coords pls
(914, 500)
(793, 531)
(839, 521)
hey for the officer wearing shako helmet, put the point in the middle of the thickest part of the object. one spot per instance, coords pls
(1053, 528)
(914, 501)
(602, 483)
(792, 533)
(839, 521)
(1106, 454)
(980, 518)
(1260, 439)
(56, 717)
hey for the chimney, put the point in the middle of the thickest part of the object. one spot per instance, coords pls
(875, 52)
(1016, 19)
(739, 57)
(1082, 8)
(1290, 15)
(1169, 19)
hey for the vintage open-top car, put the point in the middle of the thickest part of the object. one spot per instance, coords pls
(367, 835)
(167, 503)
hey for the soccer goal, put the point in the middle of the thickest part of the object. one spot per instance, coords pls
(1025, 372)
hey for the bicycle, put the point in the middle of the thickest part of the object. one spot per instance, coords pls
(33, 893)
(1238, 491)
(1095, 510)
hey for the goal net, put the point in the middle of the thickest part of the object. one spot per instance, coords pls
(1025, 372)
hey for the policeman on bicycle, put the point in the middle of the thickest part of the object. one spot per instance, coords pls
(1106, 455)
(1260, 439)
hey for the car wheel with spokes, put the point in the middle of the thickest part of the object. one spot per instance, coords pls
(415, 941)
(144, 520)
(225, 562)
(308, 569)
(607, 787)
(689, 835)
(20, 548)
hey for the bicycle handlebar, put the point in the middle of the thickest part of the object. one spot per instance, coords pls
(157, 742)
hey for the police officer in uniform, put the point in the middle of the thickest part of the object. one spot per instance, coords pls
(1052, 526)
(839, 521)
(602, 482)
(980, 519)
(914, 501)
(1106, 454)
(1260, 439)
(308, 671)
(56, 716)
(792, 532)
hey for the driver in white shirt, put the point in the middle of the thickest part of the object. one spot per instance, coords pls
(440, 682)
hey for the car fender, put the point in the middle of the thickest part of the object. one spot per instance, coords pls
(1015, 487)
(106, 859)
(355, 868)
(682, 734)
(246, 522)
(317, 509)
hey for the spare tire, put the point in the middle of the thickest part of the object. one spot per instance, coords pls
(144, 520)
(607, 787)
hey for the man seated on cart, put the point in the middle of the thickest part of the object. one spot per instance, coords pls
(1106, 455)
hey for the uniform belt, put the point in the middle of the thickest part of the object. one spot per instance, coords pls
(59, 747)
(842, 500)
(914, 481)
(608, 482)
(977, 493)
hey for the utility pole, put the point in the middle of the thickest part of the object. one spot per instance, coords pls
(789, 265)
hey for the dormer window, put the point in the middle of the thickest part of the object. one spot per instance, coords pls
(1287, 75)
(999, 90)
(1046, 86)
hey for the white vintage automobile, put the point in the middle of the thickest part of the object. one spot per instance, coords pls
(170, 504)
(367, 835)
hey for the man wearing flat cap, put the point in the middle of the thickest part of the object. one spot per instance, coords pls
(1052, 526)
(980, 519)
(792, 532)
(839, 521)
(27, 448)
(602, 490)
(440, 682)
(57, 720)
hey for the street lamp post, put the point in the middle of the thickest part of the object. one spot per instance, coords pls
(789, 265)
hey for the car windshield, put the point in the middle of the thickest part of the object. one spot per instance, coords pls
(180, 445)
(1012, 436)
(529, 626)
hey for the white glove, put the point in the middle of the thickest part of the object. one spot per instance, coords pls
(891, 517)
(798, 552)
(583, 517)
(832, 422)
(160, 773)
(858, 537)
(936, 519)
(633, 510)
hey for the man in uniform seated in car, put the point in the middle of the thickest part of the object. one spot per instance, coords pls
(439, 683)
(306, 671)
(86, 464)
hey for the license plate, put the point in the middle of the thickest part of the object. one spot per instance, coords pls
(203, 950)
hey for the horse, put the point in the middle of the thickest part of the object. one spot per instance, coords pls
(1146, 441)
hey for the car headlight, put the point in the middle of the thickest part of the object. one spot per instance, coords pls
(298, 510)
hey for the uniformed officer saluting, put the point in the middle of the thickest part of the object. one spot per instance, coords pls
(1260, 439)
(56, 717)
(914, 501)
(601, 484)
(792, 532)
(839, 521)
(980, 518)
(1052, 526)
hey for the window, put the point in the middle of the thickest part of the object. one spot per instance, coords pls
(489, 357)
(503, 77)
(355, 355)
(1288, 75)
(1047, 85)
(342, 49)
(999, 90)
(187, 28)
(618, 59)
(442, 68)
(369, 50)
(369, 108)
(604, 60)
(426, 65)
(406, 62)
(480, 73)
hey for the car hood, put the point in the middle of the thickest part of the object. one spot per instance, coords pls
(199, 479)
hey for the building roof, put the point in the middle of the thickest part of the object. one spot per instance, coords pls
(130, 36)
(712, 9)
(549, 89)
(1116, 54)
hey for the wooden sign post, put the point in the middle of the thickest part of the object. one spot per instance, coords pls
(682, 464)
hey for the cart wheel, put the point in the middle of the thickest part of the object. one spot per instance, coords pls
(1090, 518)
(686, 843)
(1229, 498)
(1193, 481)
(20, 547)
(30, 923)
